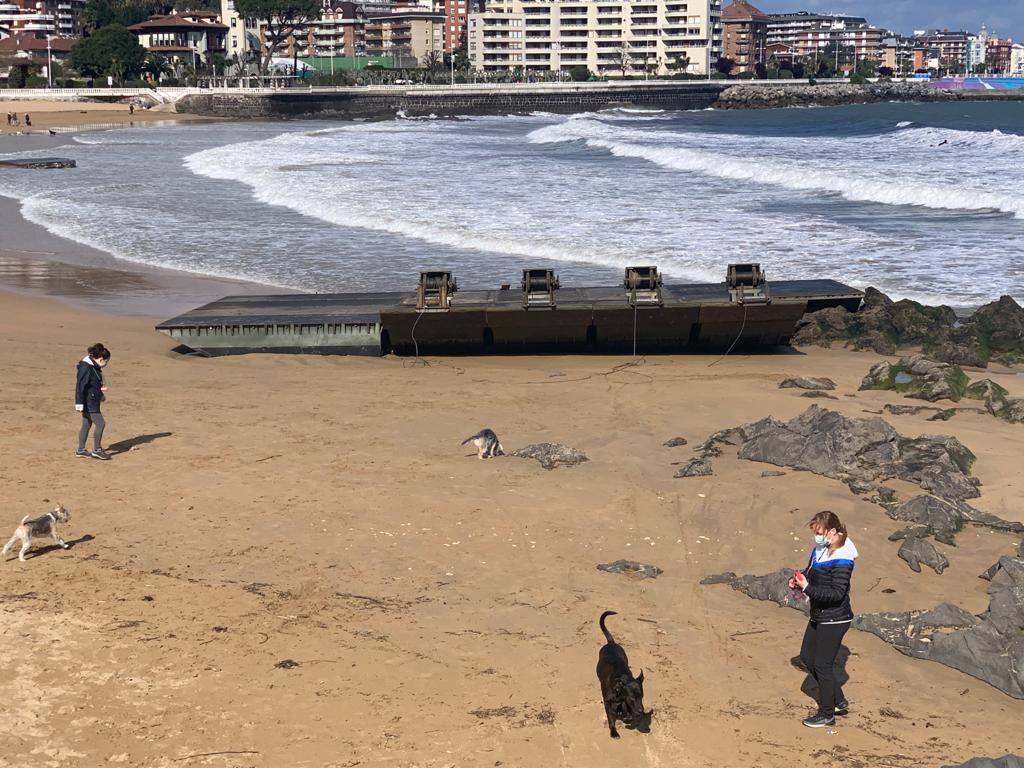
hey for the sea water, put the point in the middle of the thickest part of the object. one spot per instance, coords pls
(924, 201)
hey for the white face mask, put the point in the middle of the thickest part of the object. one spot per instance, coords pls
(820, 539)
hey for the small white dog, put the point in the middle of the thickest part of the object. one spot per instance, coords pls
(40, 526)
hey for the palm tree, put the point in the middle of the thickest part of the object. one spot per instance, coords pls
(155, 65)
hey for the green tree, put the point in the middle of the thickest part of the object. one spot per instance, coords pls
(17, 76)
(112, 50)
(725, 65)
(679, 63)
(867, 68)
(579, 73)
(156, 66)
(280, 20)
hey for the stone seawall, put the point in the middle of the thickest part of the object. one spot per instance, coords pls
(446, 102)
(829, 95)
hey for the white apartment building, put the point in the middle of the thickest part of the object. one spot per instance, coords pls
(608, 37)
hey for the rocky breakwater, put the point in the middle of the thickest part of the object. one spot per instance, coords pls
(763, 96)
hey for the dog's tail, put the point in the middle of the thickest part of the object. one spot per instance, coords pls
(471, 438)
(607, 634)
(24, 519)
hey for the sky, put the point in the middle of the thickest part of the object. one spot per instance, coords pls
(1002, 17)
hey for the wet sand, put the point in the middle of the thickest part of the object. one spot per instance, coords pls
(35, 261)
(291, 561)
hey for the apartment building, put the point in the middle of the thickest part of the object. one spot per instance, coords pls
(456, 14)
(952, 47)
(745, 36)
(409, 38)
(1017, 60)
(807, 33)
(999, 55)
(17, 18)
(608, 37)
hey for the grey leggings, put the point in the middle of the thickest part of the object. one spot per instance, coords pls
(91, 420)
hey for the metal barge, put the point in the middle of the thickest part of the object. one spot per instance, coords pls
(641, 315)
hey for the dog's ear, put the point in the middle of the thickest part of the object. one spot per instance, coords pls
(640, 677)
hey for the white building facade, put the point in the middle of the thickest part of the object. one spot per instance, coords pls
(628, 37)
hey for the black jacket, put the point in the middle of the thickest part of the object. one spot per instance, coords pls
(87, 387)
(828, 583)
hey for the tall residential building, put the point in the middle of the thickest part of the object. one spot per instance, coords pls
(456, 14)
(16, 18)
(952, 47)
(977, 51)
(808, 33)
(1017, 60)
(745, 30)
(409, 38)
(897, 54)
(625, 37)
(999, 53)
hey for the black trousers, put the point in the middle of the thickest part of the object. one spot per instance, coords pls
(96, 421)
(818, 653)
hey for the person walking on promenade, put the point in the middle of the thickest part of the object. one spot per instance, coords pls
(89, 393)
(826, 583)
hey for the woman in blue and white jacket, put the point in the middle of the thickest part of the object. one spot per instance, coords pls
(826, 582)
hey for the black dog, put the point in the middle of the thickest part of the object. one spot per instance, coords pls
(622, 693)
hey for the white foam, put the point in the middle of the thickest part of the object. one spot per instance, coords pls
(793, 176)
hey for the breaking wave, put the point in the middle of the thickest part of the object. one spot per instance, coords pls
(793, 176)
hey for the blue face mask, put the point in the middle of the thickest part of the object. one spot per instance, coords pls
(820, 540)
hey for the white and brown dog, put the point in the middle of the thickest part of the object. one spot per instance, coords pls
(40, 526)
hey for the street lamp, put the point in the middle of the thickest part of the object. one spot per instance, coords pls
(49, 63)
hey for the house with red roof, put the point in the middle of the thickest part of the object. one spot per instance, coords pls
(183, 36)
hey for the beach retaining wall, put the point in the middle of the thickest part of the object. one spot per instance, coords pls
(447, 101)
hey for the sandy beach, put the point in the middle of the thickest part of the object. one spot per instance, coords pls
(291, 561)
(64, 116)
(441, 610)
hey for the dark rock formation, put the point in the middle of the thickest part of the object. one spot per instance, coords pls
(37, 162)
(719, 578)
(910, 530)
(993, 395)
(772, 473)
(631, 568)
(990, 649)
(916, 551)
(808, 382)
(551, 455)
(865, 450)
(1006, 761)
(818, 394)
(675, 442)
(944, 518)
(696, 467)
(918, 377)
(995, 331)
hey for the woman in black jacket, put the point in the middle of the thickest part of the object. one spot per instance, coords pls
(89, 393)
(826, 582)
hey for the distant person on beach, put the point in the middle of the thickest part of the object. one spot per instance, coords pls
(89, 393)
(28, 120)
(826, 583)
(131, 109)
